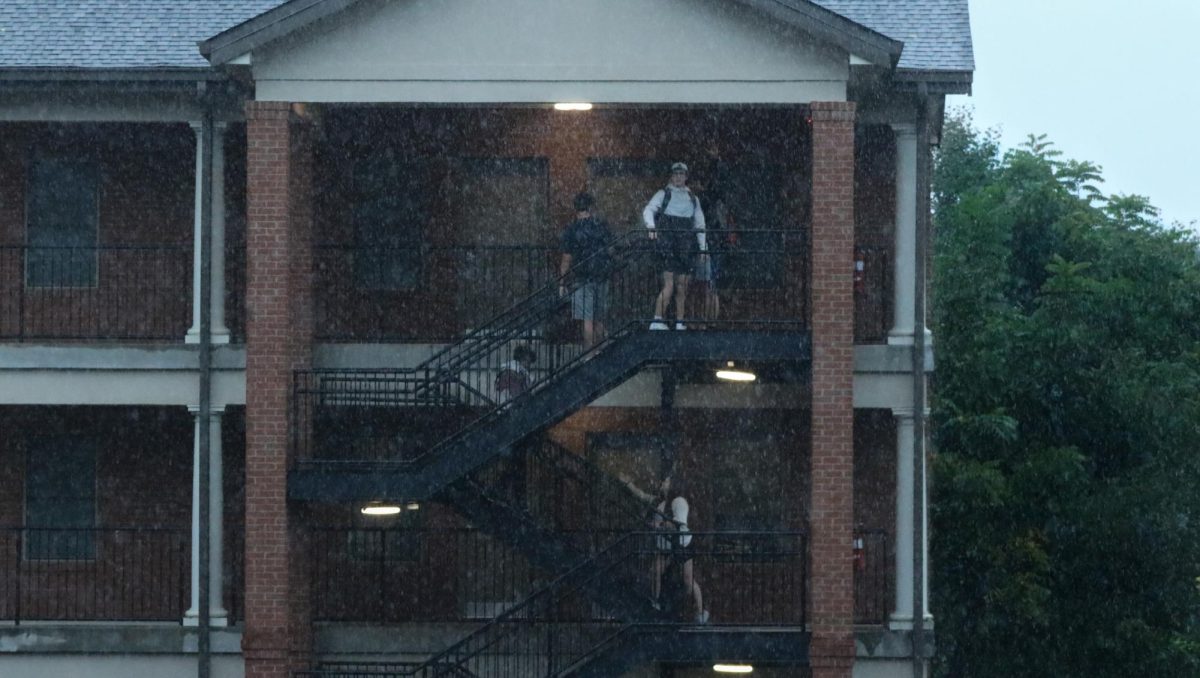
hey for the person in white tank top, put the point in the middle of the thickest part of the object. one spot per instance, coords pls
(670, 514)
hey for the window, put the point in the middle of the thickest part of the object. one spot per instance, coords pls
(389, 215)
(62, 222)
(60, 498)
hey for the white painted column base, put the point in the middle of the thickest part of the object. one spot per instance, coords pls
(216, 501)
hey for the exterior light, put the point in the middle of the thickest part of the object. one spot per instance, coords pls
(576, 106)
(379, 509)
(731, 373)
(413, 506)
(733, 668)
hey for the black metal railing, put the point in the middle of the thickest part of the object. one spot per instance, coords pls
(392, 575)
(872, 577)
(468, 373)
(748, 580)
(93, 574)
(421, 293)
(126, 292)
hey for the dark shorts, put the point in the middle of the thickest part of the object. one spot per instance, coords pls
(676, 253)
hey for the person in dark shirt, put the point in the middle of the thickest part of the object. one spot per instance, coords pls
(585, 246)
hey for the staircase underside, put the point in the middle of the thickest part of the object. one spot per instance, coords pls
(338, 481)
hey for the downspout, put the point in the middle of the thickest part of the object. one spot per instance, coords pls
(204, 645)
(924, 173)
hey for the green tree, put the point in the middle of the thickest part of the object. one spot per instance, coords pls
(1066, 513)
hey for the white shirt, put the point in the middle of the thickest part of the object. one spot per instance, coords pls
(681, 205)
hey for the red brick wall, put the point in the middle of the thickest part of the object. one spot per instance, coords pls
(832, 507)
(143, 479)
(146, 197)
(278, 295)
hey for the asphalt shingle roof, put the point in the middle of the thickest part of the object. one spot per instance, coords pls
(151, 34)
(115, 34)
(936, 33)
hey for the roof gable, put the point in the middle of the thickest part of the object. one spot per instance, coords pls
(807, 16)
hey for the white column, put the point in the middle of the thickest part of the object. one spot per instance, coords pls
(216, 501)
(220, 333)
(904, 255)
(902, 616)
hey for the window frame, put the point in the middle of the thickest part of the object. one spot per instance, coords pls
(65, 148)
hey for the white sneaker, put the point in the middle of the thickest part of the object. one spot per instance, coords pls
(658, 325)
(679, 327)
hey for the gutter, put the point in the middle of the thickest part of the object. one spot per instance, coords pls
(72, 74)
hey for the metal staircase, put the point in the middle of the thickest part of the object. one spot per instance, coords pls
(480, 423)
(490, 457)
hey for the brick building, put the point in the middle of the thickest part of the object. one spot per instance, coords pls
(382, 186)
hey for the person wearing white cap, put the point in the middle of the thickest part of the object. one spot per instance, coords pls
(676, 212)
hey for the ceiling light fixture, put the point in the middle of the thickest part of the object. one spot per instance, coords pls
(575, 106)
(731, 373)
(376, 508)
(733, 668)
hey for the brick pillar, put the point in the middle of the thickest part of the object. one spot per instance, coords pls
(278, 341)
(832, 508)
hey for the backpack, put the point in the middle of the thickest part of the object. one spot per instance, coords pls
(662, 209)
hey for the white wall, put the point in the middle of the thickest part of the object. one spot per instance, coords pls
(622, 51)
(115, 666)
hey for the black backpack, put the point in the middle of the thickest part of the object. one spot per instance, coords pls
(662, 209)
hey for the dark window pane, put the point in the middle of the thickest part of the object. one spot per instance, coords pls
(389, 214)
(62, 223)
(60, 498)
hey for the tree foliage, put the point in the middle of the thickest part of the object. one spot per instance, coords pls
(1066, 512)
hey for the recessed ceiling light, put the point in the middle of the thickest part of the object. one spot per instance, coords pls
(573, 106)
(731, 373)
(733, 668)
(378, 509)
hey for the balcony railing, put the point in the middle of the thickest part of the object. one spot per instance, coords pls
(98, 574)
(117, 292)
(463, 575)
(750, 580)
(105, 574)
(402, 575)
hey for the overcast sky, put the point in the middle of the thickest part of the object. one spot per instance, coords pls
(1116, 82)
